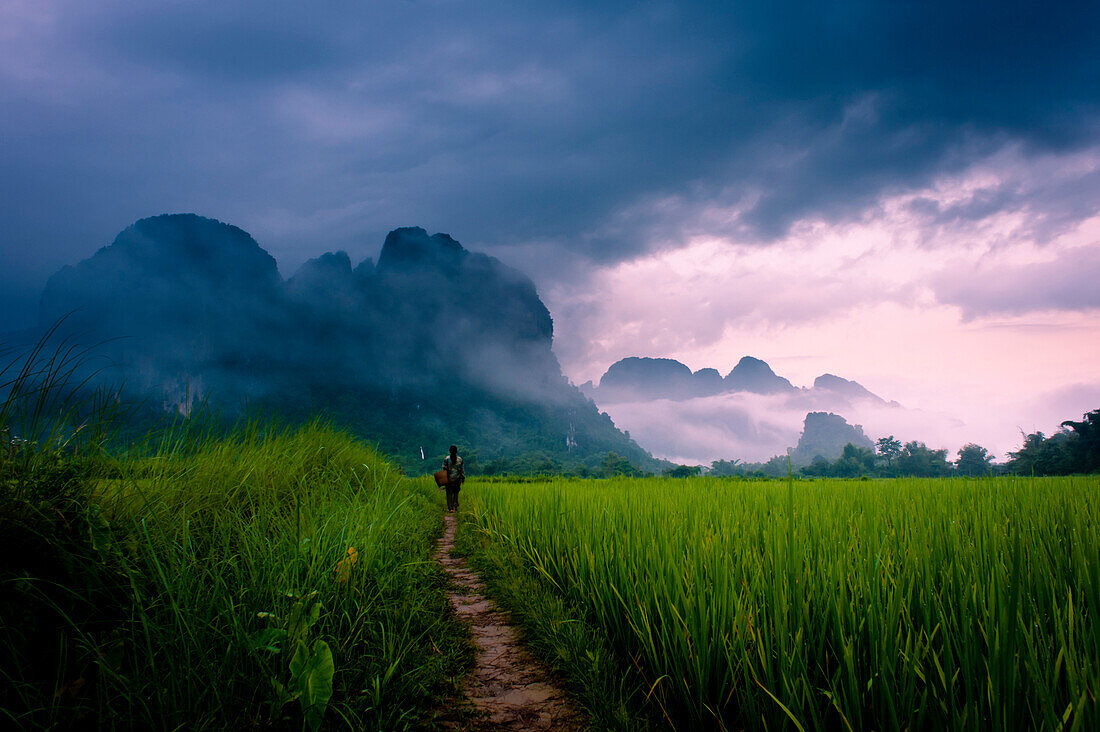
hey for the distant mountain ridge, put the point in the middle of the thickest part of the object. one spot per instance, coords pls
(850, 389)
(637, 378)
(433, 344)
(691, 415)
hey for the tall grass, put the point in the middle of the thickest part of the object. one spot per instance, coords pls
(269, 577)
(51, 405)
(53, 428)
(921, 604)
(241, 529)
(211, 559)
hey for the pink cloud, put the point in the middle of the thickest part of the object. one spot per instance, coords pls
(1070, 283)
(962, 301)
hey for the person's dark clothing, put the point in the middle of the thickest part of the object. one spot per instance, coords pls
(455, 476)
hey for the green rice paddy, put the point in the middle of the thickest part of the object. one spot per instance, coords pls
(829, 604)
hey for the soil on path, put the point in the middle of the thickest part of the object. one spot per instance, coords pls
(508, 688)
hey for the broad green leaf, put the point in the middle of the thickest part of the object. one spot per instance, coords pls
(298, 665)
(316, 683)
(268, 639)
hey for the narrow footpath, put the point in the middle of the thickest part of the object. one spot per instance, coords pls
(508, 688)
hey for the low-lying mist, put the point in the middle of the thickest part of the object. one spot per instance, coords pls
(754, 427)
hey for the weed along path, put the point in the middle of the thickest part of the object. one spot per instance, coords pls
(508, 688)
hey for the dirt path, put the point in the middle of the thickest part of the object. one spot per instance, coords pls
(510, 689)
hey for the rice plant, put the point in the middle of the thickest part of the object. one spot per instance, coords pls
(889, 604)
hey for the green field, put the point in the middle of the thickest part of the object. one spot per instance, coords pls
(269, 578)
(282, 578)
(829, 604)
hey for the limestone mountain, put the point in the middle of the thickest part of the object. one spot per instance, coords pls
(471, 315)
(647, 378)
(824, 435)
(433, 345)
(174, 297)
(751, 414)
(639, 378)
(753, 375)
(848, 389)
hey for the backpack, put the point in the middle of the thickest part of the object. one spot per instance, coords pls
(454, 470)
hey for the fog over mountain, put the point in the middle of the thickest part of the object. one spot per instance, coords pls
(434, 344)
(753, 413)
(642, 378)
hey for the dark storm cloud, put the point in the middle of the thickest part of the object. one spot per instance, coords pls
(1053, 195)
(506, 123)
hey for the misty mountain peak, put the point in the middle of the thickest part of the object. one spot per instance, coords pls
(846, 388)
(326, 266)
(640, 370)
(410, 246)
(188, 307)
(178, 263)
(644, 378)
(194, 296)
(755, 375)
(325, 278)
(477, 300)
(365, 269)
(751, 366)
(196, 243)
(708, 380)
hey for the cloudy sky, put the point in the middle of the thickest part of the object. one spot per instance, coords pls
(903, 193)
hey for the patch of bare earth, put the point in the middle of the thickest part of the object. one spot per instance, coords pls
(508, 688)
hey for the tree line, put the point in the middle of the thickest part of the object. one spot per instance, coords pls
(1074, 449)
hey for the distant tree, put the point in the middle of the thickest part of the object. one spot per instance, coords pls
(684, 471)
(918, 460)
(854, 461)
(538, 463)
(1084, 444)
(776, 467)
(819, 467)
(612, 465)
(974, 460)
(888, 449)
(726, 468)
(1040, 455)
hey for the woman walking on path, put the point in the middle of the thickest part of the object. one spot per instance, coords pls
(455, 477)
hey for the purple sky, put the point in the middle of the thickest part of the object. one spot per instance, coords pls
(906, 194)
